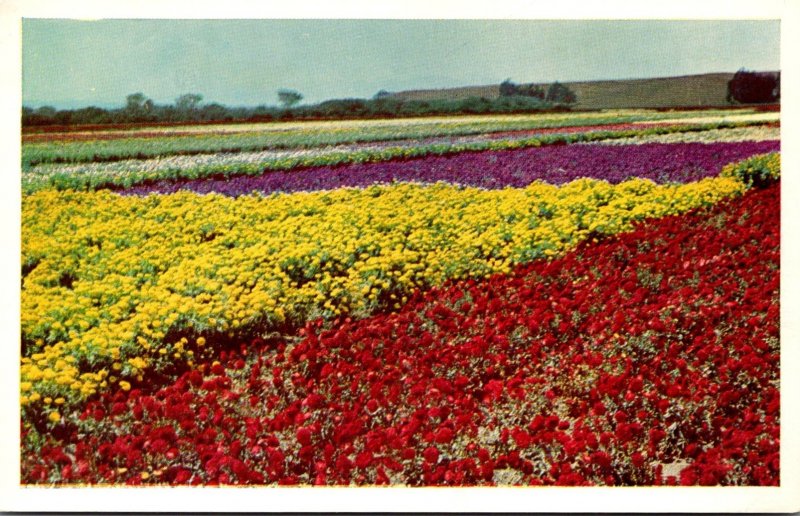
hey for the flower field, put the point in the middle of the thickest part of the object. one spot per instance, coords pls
(564, 300)
(204, 155)
(553, 164)
(112, 145)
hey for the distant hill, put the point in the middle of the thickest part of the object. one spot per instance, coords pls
(705, 90)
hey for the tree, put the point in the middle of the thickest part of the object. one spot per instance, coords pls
(215, 111)
(46, 111)
(44, 115)
(188, 101)
(508, 88)
(135, 102)
(531, 90)
(137, 107)
(382, 94)
(560, 94)
(754, 87)
(289, 97)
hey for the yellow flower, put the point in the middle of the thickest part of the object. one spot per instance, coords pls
(137, 362)
(125, 386)
(361, 247)
(55, 417)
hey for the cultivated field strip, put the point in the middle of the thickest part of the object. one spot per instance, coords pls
(132, 172)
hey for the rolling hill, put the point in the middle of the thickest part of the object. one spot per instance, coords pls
(704, 90)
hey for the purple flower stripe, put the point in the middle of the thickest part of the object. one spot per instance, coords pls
(660, 162)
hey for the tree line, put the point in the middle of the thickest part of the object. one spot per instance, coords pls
(138, 108)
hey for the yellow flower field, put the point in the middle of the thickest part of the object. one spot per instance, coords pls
(114, 286)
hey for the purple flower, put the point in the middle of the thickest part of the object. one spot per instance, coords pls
(555, 164)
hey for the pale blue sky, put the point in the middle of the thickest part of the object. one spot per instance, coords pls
(70, 63)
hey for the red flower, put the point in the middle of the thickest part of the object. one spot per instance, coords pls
(408, 453)
(522, 438)
(688, 476)
(493, 389)
(182, 476)
(381, 478)
(118, 408)
(443, 435)
(599, 408)
(159, 446)
(304, 436)
(364, 459)
(431, 454)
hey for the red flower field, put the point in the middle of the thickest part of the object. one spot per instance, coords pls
(647, 358)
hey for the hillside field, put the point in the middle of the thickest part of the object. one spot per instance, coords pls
(705, 90)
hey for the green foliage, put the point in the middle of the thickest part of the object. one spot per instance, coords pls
(509, 89)
(139, 108)
(556, 94)
(135, 101)
(289, 97)
(560, 94)
(188, 101)
(757, 171)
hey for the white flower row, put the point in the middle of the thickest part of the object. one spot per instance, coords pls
(735, 134)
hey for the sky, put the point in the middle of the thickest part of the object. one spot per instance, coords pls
(72, 63)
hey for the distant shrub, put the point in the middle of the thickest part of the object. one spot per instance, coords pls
(754, 87)
(560, 94)
(508, 88)
(556, 93)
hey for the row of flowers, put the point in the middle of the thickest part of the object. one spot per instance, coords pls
(113, 286)
(270, 136)
(98, 175)
(554, 164)
(82, 146)
(305, 135)
(757, 133)
(651, 357)
(230, 159)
